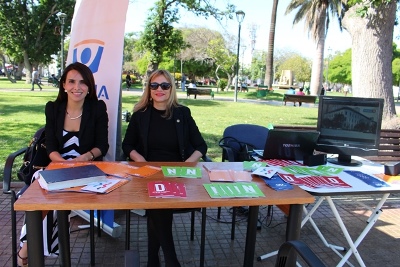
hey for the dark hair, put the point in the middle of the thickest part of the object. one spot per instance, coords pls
(87, 76)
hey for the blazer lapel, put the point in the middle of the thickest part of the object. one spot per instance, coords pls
(178, 118)
(86, 115)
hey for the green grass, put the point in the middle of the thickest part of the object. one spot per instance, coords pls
(22, 113)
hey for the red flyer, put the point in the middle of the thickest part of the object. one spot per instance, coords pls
(166, 189)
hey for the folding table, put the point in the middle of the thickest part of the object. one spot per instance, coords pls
(358, 188)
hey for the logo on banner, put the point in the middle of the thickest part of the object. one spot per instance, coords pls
(89, 52)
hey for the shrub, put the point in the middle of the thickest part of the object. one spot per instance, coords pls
(222, 83)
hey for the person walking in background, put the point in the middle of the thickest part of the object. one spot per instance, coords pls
(162, 130)
(183, 82)
(35, 79)
(346, 89)
(128, 81)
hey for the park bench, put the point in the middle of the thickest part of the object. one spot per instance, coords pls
(299, 98)
(196, 91)
(389, 143)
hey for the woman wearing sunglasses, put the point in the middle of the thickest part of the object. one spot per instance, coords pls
(162, 130)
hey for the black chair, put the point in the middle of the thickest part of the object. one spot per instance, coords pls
(237, 143)
(253, 135)
(288, 249)
(7, 177)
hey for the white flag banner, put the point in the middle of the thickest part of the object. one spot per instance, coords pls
(97, 40)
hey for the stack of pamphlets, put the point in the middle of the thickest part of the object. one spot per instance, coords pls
(166, 189)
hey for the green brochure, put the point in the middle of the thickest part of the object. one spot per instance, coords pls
(253, 165)
(319, 170)
(184, 172)
(215, 191)
(231, 190)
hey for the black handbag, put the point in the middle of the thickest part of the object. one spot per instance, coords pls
(35, 157)
(241, 150)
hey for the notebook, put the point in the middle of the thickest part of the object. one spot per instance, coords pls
(289, 144)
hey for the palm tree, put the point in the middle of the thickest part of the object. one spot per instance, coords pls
(271, 41)
(315, 14)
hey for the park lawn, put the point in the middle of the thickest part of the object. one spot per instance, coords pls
(22, 113)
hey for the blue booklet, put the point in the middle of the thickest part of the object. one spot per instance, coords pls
(276, 183)
(368, 179)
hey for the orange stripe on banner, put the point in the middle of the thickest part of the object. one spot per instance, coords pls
(90, 41)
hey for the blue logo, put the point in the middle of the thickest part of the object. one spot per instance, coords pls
(89, 52)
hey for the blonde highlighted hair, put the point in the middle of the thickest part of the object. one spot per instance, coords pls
(146, 101)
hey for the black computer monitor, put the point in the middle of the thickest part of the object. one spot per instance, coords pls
(349, 126)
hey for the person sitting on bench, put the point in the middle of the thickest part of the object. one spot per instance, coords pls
(300, 92)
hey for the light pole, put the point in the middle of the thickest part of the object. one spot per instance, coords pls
(239, 16)
(261, 76)
(62, 16)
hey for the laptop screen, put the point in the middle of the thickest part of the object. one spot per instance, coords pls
(290, 144)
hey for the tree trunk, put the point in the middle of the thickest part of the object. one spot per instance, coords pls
(152, 66)
(3, 58)
(318, 62)
(271, 42)
(28, 68)
(372, 52)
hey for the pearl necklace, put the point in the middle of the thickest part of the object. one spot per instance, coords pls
(73, 118)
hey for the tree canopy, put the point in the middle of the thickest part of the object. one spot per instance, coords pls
(30, 29)
(159, 34)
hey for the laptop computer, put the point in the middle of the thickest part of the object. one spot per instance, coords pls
(289, 144)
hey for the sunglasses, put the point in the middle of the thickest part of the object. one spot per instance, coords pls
(164, 86)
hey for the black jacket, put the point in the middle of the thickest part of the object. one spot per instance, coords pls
(189, 136)
(93, 131)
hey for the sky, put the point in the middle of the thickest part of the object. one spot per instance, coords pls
(257, 12)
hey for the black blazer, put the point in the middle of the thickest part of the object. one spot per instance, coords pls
(93, 131)
(189, 136)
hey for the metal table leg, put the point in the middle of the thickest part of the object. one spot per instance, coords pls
(34, 233)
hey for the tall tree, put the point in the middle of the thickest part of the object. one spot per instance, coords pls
(159, 35)
(371, 29)
(27, 29)
(271, 42)
(315, 14)
(340, 68)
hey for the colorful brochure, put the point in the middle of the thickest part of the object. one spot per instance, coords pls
(368, 179)
(253, 165)
(314, 181)
(319, 170)
(389, 178)
(267, 172)
(281, 162)
(165, 189)
(233, 190)
(276, 183)
(229, 176)
(102, 187)
(184, 172)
